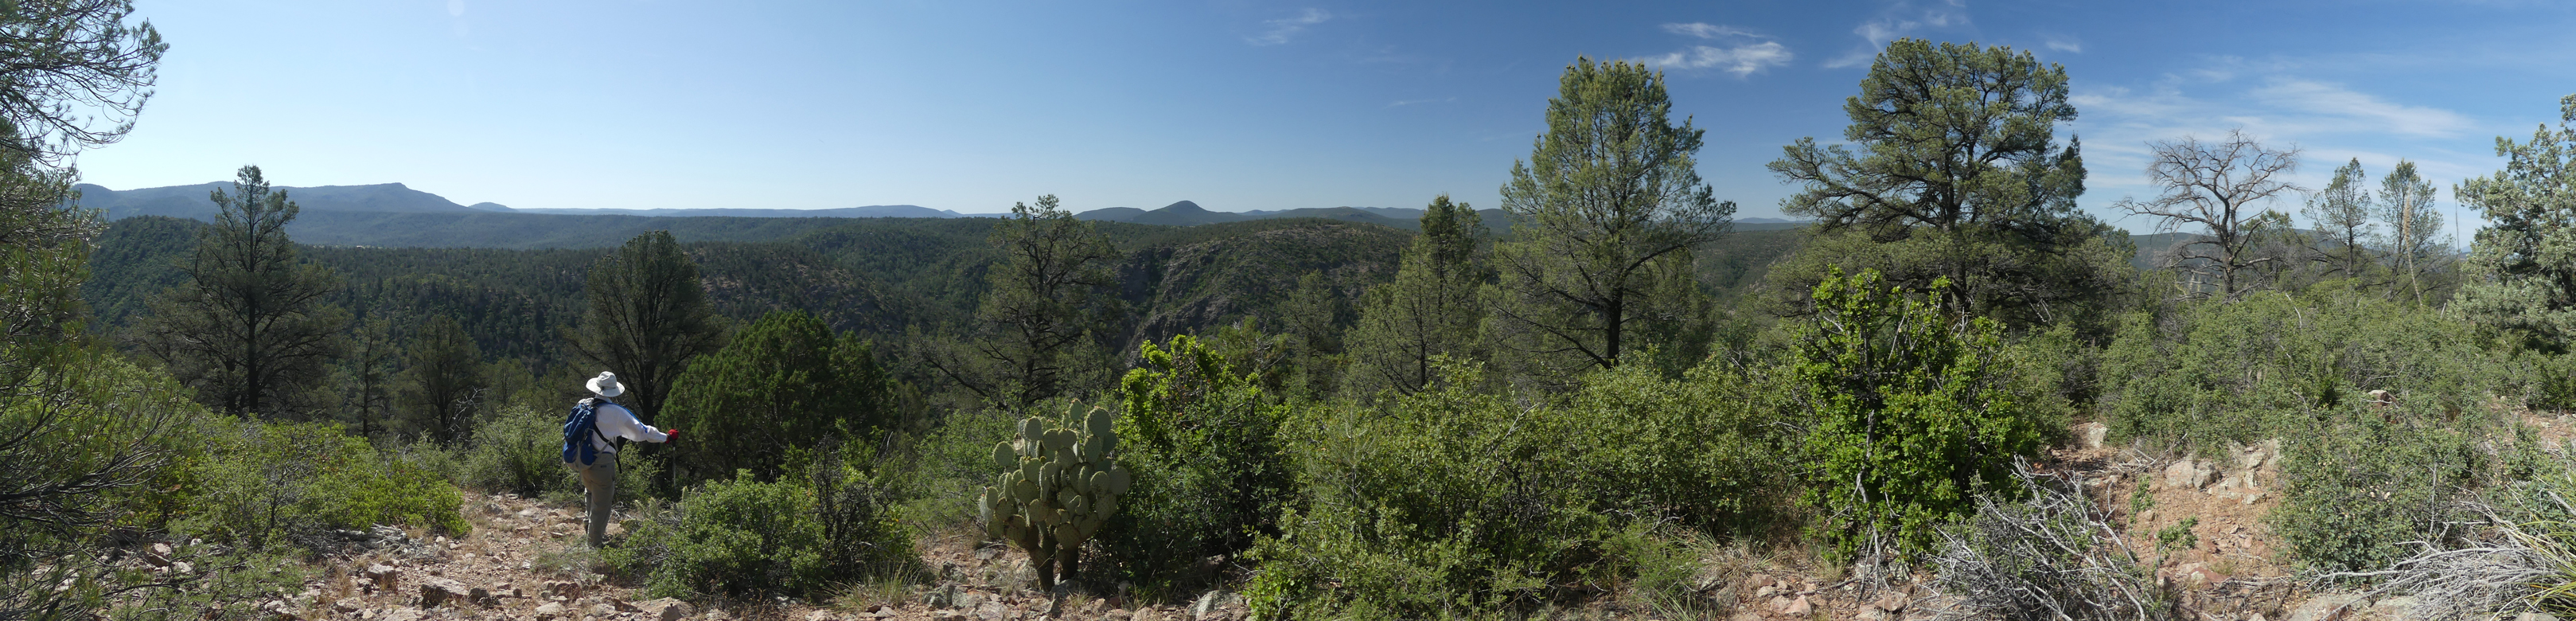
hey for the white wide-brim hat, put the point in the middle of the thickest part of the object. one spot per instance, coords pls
(606, 385)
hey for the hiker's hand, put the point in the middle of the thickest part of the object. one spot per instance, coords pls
(670, 435)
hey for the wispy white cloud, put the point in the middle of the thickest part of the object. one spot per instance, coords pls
(1740, 52)
(2274, 103)
(1901, 19)
(2334, 101)
(2070, 45)
(1283, 29)
(1707, 31)
(1414, 102)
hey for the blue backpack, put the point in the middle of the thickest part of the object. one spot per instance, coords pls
(579, 428)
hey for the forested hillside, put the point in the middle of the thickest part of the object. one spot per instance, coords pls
(1949, 393)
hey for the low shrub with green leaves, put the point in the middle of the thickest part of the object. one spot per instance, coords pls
(1451, 501)
(2201, 374)
(745, 537)
(520, 450)
(1201, 438)
(1913, 410)
(260, 484)
(2365, 479)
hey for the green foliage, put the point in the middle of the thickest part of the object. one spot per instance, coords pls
(520, 451)
(648, 318)
(2207, 373)
(2413, 239)
(1955, 170)
(1429, 311)
(2528, 254)
(445, 383)
(260, 484)
(1036, 332)
(1611, 213)
(1451, 502)
(745, 537)
(2365, 479)
(2178, 536)
(252, 329)
(1913, 410)
(785, 384)
(2342, 213)
(1057, 487)
(1210, 470)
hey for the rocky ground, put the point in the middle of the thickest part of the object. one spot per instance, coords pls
(2200, 522)
(523, 561)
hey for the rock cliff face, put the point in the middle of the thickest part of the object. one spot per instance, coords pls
(1197, 286)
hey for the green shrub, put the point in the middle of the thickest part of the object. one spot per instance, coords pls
(521, 451)
(1453, 502)
(785, 384)
(1913, 410)
(2368, 479)
(744, 537)
(259, 484)
(1202, 439)
(2206, 373)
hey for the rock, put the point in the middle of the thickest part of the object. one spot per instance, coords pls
(667, 609)
(2089, 436)
(2399, 607)
(159, 555)
(2534, 615)
(402, 614)
(1893, 601)
(550, 610)
(1205, 604)
(182, 567)
(2188, 474)
(2197, 575)
(620, 605)
(819, 615)
(1796, 608)
(2321, 608)
(1121, 614)
(383, 576)
(436, 591)
(2254, 617)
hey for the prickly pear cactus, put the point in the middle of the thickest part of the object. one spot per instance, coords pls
(1056, 488)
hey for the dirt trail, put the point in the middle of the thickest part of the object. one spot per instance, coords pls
(511, 566)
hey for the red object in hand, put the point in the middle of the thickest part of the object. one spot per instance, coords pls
(670, 435)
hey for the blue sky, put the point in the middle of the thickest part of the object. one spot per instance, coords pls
(1241, 104)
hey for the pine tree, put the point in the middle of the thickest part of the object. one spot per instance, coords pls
(2406, 204)
(2529, 253)
(446, 384)
(1953, 171)
(1035, 331)
(252, 330)
(1428, 311)
(648, 317)
(1610, 208)
(2342, 212)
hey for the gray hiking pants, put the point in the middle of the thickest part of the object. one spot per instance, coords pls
(600, 478)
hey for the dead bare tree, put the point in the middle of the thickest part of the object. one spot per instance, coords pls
(2213, 186)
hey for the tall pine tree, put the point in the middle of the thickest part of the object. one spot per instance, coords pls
(252, 330)
(1610, 212)
(1430, 309)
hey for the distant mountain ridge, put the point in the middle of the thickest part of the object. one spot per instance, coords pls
(190, 201)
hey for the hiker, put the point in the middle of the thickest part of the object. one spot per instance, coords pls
(594, 422)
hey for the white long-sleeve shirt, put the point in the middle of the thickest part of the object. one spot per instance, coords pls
(615, 422)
